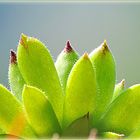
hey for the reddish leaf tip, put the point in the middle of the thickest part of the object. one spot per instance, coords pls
(13, 57)
(68, 47)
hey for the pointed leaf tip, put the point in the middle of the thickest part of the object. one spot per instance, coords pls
(36, 54)
(81, 74)
(13, 57)
(104, 47)
(105, 42)
(119, 88)
(68, 47)
(85, 56)
(23, 40)
(122, 82)
(103, 61)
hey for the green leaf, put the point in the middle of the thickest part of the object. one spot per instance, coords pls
(135, 134)
(37, 68)
(15, 78)
(80, 91)
(9, 137)
(123, 115)
(40, 113)
(12, 114)
(104, 64)
(1, 131)
(79, 128)
(65, 62)
(118, 89)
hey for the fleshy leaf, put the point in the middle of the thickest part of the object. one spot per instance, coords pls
(123, 115)
(65, 62)
(12, 118)
(37, 68)
(9, 137)
(104, 64)
(40, 113)
(80, 91)
(135, 134)
(1, 131)
(79, 128)
(118, 89)
(15, 78)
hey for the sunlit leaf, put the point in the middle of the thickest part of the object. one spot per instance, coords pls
(135, 134)
(40, 113)
(123, 115)
(104, 64)
(111, 135)
(12, 118)
(37, 68)
(80, 91)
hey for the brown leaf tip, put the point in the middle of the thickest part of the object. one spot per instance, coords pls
(23, 40)
(86, 55)
(122, 82)
(68, 47)
(104, 47)
(13, 57)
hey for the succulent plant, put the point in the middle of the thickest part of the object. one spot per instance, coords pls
(74, 97)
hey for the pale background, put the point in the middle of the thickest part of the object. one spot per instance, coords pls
(86, 25)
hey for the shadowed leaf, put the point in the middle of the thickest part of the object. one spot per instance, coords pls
(118, 89)
(15, 78)
(79, 128)
(65, 62)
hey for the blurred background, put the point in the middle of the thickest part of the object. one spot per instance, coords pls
(86, 25)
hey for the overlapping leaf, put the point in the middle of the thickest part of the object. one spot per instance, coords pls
(89, 87)
(16, 80)
(123, 115)
(104, 64)
(118, 89)
(65, 62)
(37, 68)
(80, 91)
(78, 128)
(40, 113)
(12, 118)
